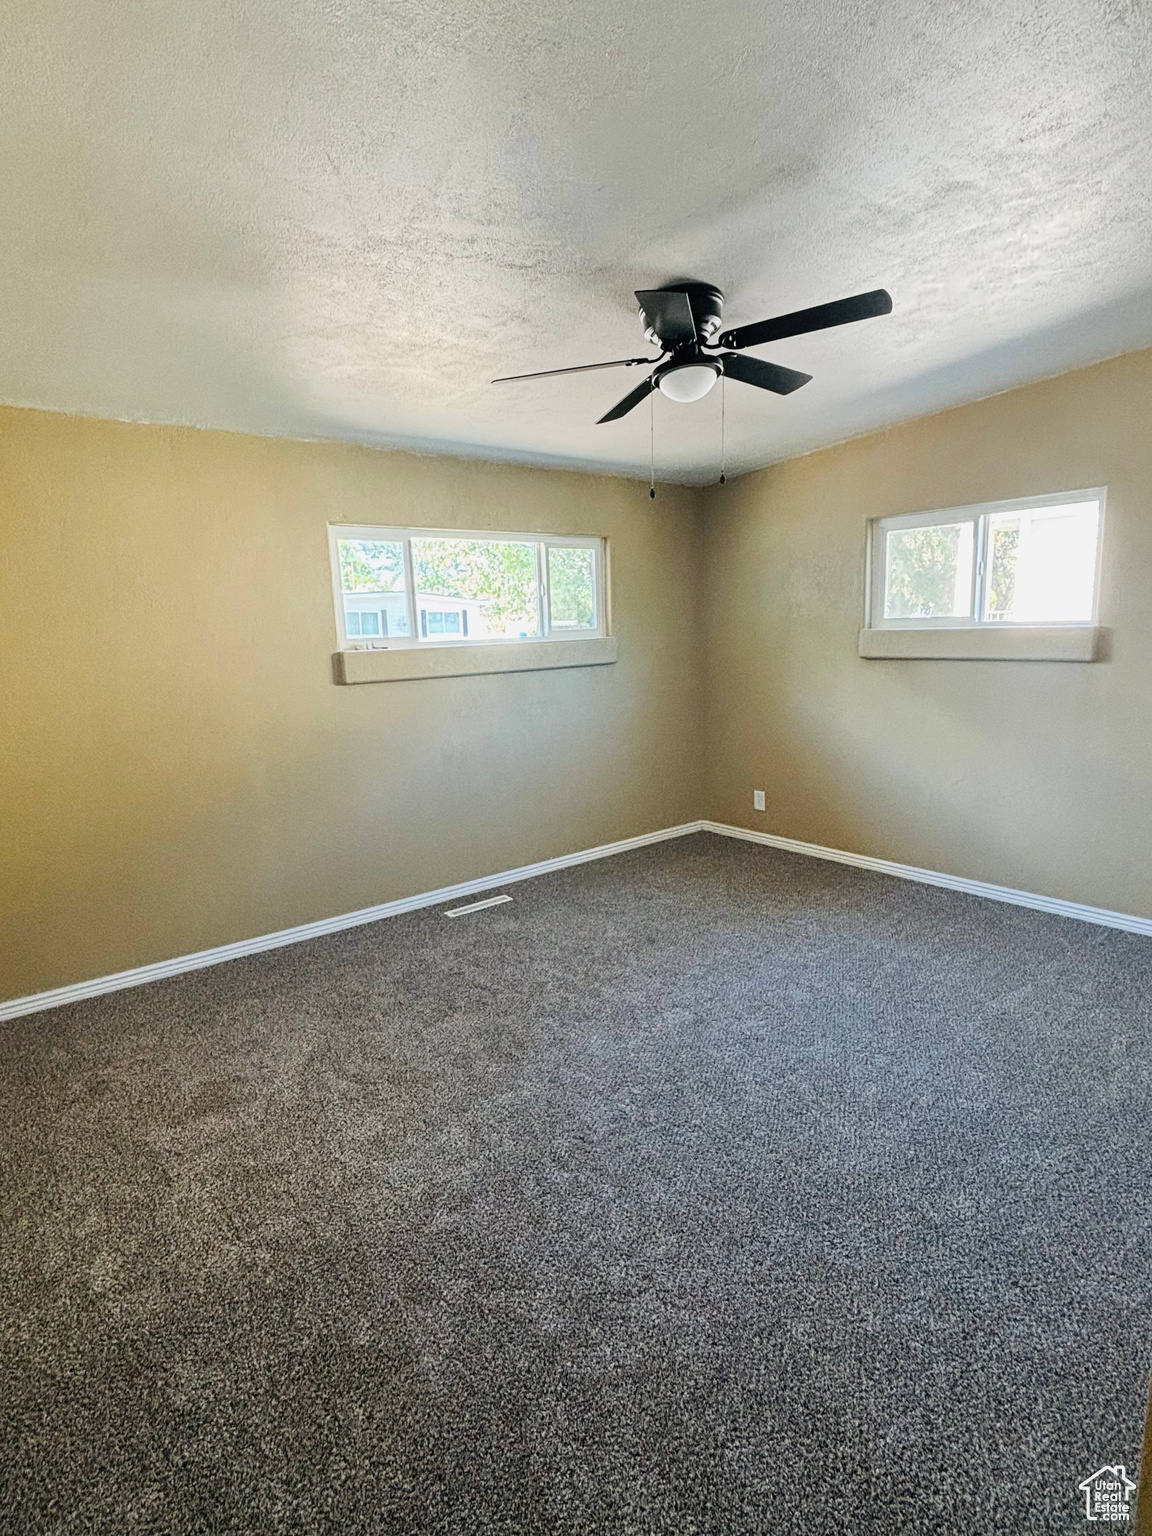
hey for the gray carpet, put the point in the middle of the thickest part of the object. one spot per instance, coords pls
(703, 1189)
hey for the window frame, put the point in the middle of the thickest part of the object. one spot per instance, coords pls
(384, 534)
(980, 515)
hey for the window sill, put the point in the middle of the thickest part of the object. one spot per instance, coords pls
(1069, 642)
(408, 662)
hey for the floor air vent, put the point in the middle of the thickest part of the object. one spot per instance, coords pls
(477, 906)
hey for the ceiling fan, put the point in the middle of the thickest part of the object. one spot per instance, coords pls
(683, 320)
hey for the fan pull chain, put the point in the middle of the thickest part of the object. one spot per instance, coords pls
(722, 404)
(652, 444)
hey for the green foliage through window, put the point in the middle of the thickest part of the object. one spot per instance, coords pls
(571, 588)
(367, 565)
(1002, 576)
(500, 573)
(514, 588)
(1032, 561)
(921, 571)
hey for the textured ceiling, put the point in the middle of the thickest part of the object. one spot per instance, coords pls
(341, 218)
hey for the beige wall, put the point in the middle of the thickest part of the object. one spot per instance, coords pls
(1035, 775)
(177, 768)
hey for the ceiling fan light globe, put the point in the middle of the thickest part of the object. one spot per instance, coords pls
(692, 382)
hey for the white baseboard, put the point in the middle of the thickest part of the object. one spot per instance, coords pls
(1006, 893)
(140, 975)
(56, 997)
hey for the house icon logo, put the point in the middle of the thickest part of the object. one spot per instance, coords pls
(1108, 1495)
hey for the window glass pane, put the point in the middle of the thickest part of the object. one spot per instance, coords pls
(572, 588)
(435, 623)
(370, 565)
(369, 623)
(928, 571)
(352, 622)
(494, 581)
(1042, 564)
(451, 623)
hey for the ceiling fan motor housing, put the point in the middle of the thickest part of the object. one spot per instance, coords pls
(706, 303)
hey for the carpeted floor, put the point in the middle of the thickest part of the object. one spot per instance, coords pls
(705, 1189)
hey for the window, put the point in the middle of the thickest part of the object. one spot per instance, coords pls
(572, 585)
(365, 622)
(397, 587)
(1032, 562)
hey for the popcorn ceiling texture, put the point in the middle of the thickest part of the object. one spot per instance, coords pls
(342, 219)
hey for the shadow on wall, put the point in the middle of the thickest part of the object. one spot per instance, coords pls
(906, 761)
(1124, 325)
(368, 800)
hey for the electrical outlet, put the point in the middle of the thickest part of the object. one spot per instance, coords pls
(757, 799)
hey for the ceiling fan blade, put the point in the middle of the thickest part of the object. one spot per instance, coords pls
(641, 392)
(754, 370)
(669, 314)
(549, 373)
(862, 306)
